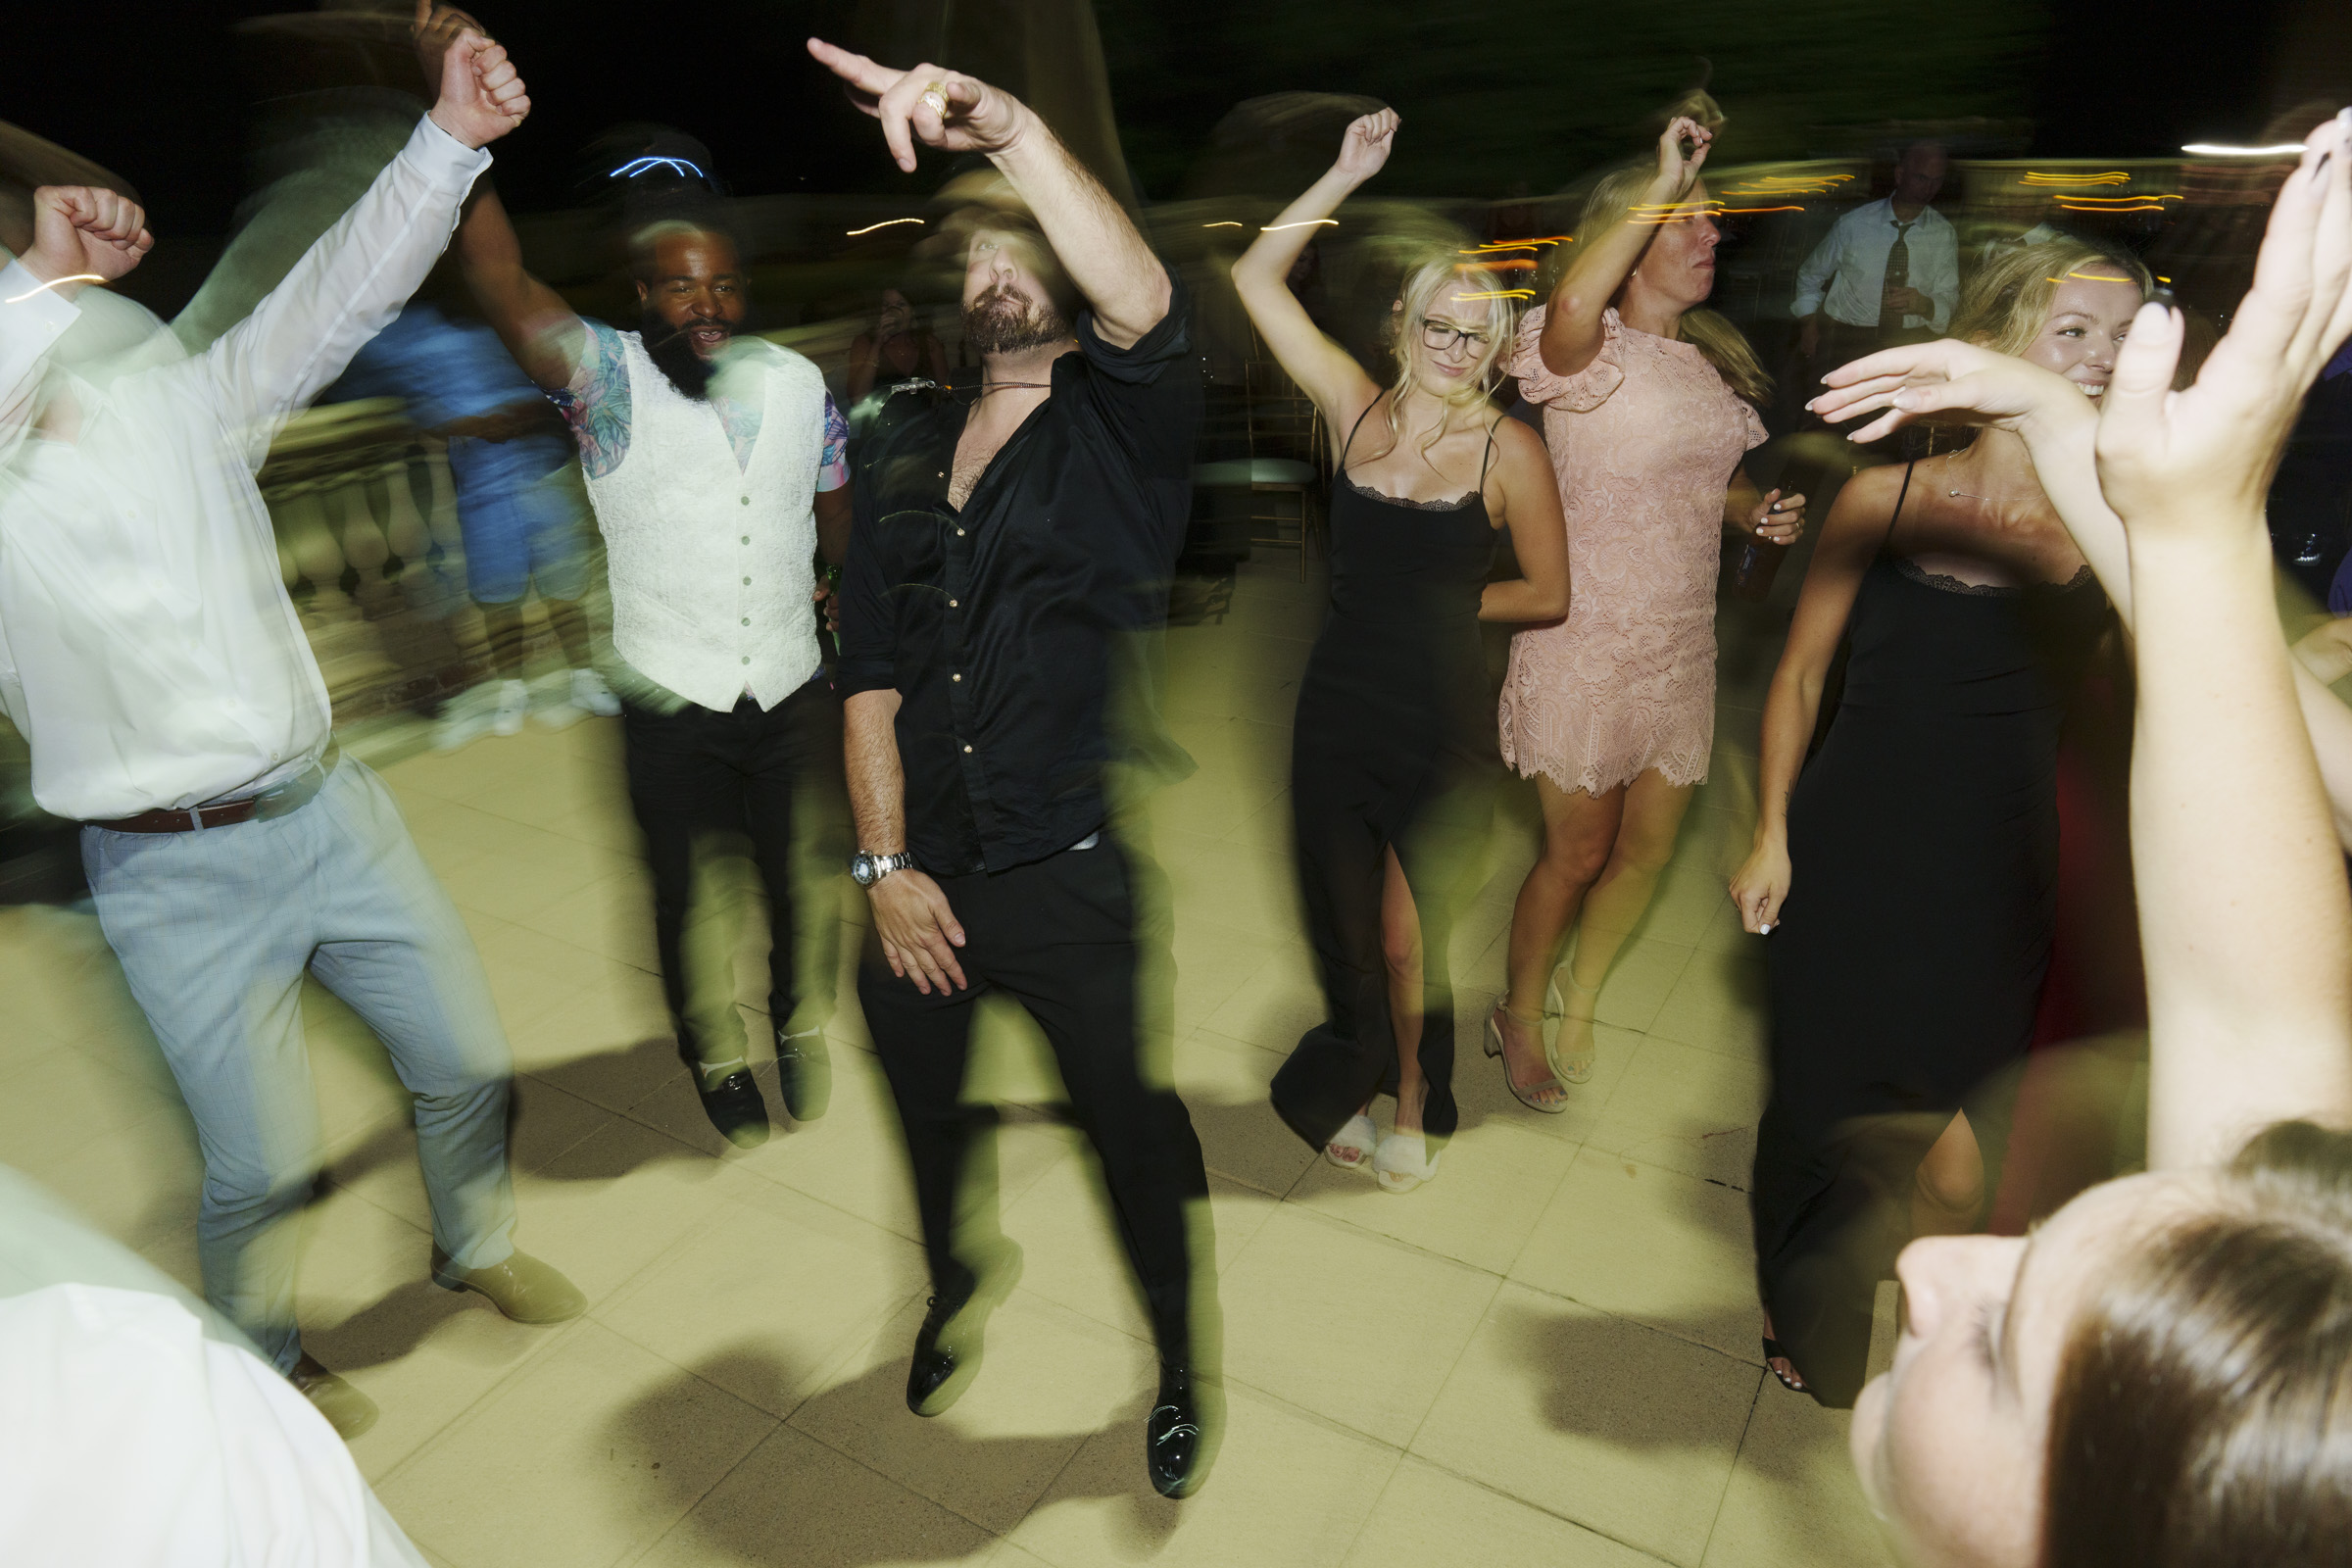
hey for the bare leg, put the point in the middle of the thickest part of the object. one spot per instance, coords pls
(1950, 1187)
(1653, 815)
(1400, 948)
(570, 627)
(502, 626)
(1580, 831)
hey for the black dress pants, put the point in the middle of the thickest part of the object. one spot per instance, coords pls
(1058, 936)
(767, 776)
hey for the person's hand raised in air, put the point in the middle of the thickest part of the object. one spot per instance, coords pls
(2181, 463)
(84, 235)
(482, 95)
(930, 104)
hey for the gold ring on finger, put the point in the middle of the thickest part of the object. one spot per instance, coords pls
(935, 99)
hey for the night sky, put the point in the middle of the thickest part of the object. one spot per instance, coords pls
(164, 101)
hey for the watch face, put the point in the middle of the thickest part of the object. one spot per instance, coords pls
(862, 869)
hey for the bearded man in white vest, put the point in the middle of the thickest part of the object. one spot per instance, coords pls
(718, 466)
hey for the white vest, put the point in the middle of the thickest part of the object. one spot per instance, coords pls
(711, 563)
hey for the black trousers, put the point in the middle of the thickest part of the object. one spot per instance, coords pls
(767, 776)
(1060, 937)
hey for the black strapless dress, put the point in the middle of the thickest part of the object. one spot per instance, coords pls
(1923, 849)
(1394, 745)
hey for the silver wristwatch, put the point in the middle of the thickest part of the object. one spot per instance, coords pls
(867, 869)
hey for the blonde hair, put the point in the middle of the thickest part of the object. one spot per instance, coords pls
(1471, 295)
(2009, 299)
(1723, 345)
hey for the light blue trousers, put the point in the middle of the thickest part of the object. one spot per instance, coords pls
(215, 929)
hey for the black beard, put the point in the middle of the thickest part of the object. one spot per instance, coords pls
(1001, 322)
(673, 354)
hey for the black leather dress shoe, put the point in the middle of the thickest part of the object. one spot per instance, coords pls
(804, 1074)
(935, 1365)
(734, 1104)
(735, 1108)
(947, 1347)
(1176, 1446)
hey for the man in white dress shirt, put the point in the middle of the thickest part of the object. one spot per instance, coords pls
(151, 660)
(718, 466)
(1886, 273)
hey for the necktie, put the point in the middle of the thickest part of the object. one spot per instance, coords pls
(1897, 275)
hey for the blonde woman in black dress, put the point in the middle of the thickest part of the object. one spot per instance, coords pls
(1394, 753)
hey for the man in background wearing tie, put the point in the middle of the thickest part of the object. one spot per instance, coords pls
(1886, 273)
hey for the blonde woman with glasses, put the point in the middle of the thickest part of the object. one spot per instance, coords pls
(1648, 404)
(1393, 760)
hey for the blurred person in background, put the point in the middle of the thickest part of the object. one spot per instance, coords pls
(2156, 1375)
(1393, 759)
(1648, 403)
(114, 1371)
(1886, 273)
(519, 509)
(1909, 878)
(898, 347)
(157, 671)
(1001, 608)
(718, 466)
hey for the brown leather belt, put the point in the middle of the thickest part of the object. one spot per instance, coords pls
(291, 795)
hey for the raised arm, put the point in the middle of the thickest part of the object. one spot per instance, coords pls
(1324, 372)
(2245, 924)
(545, 335)
(81, 236)
(1950, 379)
(1092, 236)
(360, 273)
(1572, 330)
(1850, 539)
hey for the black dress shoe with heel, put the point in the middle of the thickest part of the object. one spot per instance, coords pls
(1177, 1444)
(804, 1074)
(734, 1104)
(947, 1347)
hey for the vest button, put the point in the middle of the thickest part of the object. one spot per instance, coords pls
(747, 501)
(951, 603)
(747, 538)
(967, 751)
(954, 677)
(747, 582)
(747, 620)
(747, 658)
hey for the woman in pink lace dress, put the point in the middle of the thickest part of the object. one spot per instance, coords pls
(1647, 409)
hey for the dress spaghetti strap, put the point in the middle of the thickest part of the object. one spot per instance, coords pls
(1350, 444)
(1900, 494)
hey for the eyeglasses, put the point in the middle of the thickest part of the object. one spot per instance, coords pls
(1439, 338)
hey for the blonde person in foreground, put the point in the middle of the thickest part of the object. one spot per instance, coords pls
(151, 658)
(2157, 1375)
(1393, 759)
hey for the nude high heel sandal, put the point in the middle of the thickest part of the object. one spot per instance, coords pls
(1526, 1096)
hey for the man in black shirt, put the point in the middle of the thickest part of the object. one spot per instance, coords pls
(1007, 570)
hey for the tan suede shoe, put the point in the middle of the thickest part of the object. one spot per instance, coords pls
(349, 1412)
(521, 1287)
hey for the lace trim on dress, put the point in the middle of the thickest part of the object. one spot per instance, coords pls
(1455, 505)
(1943, 583)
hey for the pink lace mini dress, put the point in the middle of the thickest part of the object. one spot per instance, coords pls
(1644, 440)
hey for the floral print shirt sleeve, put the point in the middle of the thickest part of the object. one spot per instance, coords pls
(596, 405)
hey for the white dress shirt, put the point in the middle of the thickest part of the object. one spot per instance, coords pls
(1846, 270)
(148, 651)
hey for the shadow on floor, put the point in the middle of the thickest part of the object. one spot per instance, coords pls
(798, 1501)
